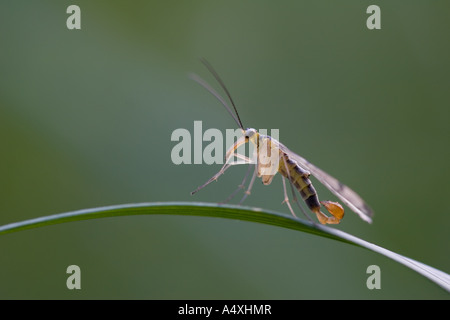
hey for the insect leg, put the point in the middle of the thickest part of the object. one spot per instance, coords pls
(244, 160)
(213, 178)
(286, 199)
(229, 156)
(250, 186)
(294, 197)
(241, 186)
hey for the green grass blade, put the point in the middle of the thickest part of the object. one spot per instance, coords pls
(229, 212)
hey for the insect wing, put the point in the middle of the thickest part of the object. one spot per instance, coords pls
(344, 193)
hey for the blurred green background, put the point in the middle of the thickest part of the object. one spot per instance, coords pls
(86, 118)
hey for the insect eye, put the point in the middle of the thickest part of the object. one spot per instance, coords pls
(249, 133)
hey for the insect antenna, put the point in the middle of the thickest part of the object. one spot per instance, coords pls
(222, 84)
(205, 85)
(213, 92)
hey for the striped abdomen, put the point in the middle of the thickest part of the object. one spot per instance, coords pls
(299, 177)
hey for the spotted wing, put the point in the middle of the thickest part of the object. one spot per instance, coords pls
(350, 198)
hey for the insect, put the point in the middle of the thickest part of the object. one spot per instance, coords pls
(271, 156)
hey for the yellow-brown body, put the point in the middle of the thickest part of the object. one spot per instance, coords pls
(269, 148)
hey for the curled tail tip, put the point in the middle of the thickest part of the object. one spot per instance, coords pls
(334, 208)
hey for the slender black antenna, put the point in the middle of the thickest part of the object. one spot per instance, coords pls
(205, 85)
(216, 75)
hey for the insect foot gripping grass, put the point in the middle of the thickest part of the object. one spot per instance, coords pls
(271, 156)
